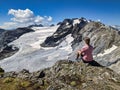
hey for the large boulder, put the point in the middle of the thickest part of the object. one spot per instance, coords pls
(1, 70)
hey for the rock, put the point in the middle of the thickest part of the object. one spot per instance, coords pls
(69, 76)
(10, 74)
(8, 51)
(52, 25)
(84, 85)
(41, 82)
(24, 74)
(35, 25)
(1, 70)
(24, 71)
(39, 74)
(95, 80)
(73, 83)
(51, 88)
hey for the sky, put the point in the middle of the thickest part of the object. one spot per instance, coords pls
(14, 13)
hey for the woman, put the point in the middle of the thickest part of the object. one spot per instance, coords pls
(86, 53)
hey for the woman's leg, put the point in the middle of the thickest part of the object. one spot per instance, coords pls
(94, 63)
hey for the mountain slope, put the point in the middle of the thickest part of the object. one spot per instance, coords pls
(7, 36)
(105, 39)
(63, 75)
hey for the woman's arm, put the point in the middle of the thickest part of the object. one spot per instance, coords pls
(78, 54)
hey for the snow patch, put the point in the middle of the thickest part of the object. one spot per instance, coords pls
(67, 23)
(39, 28)
(66, 44)
(76, 21)
(107, 51)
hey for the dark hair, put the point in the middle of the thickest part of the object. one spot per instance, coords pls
(87, 40)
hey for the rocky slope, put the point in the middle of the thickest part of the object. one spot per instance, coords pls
(105, 39)
(64, 75)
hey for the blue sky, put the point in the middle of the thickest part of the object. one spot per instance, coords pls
(108, 11)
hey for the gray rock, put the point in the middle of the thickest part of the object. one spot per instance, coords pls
(10, 74)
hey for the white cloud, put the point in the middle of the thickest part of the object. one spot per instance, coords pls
(7, 25)
(38, 19)
(24, 18)
(50, 18)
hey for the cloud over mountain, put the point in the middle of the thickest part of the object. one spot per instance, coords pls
(24, 18)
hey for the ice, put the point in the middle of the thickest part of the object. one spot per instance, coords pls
(32, 56)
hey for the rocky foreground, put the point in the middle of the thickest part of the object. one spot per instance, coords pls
(64, 75)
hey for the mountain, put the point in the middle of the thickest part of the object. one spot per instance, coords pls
(47, 45)
(7, 36)
(44, 58)
(52, 25)
(105, 39)
(35, 25)
(1, 30)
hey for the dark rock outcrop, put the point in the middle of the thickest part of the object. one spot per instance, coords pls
(1, 70)
(8, 51)
(59, 23)
(52, 25)
(35, 25)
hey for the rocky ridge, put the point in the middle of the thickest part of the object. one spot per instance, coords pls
(64, 75)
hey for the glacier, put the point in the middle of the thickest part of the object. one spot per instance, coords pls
(32, 56)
